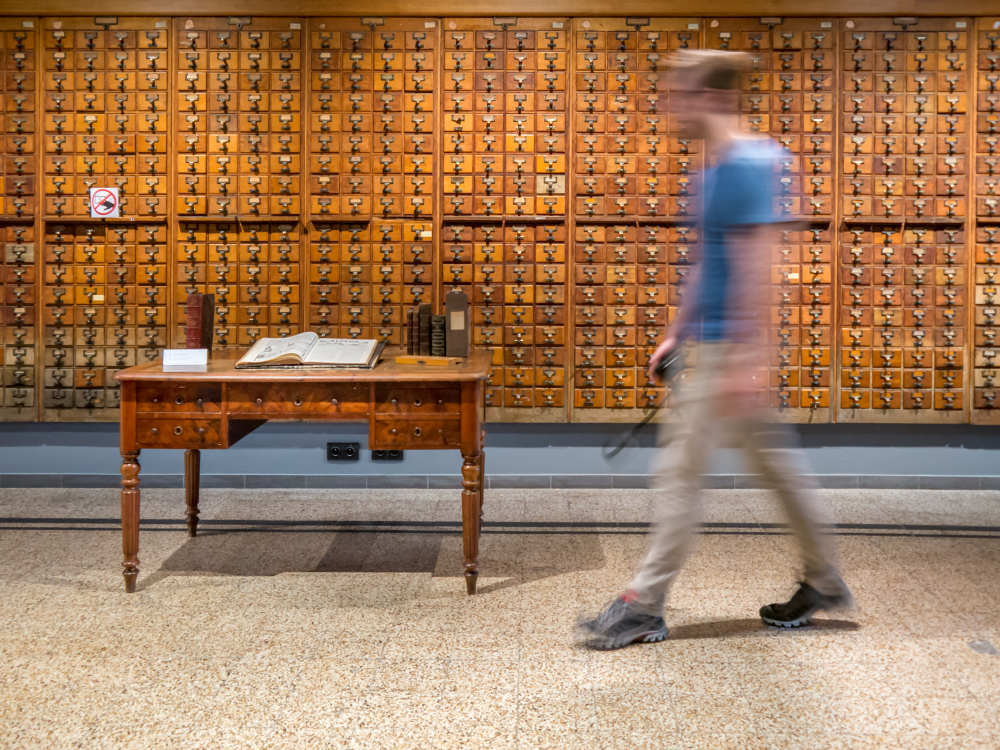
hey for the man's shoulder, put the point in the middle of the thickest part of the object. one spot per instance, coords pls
(753, 152)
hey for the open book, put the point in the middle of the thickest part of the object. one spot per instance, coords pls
(309, 350)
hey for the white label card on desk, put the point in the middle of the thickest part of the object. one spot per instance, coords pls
(184, 357)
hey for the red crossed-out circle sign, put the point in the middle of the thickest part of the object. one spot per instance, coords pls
(104, 202)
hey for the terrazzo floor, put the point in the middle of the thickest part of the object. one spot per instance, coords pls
(338, 619)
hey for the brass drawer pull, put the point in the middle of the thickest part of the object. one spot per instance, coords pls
(393, 402)
(260, 402)
(201, 430)
(334, 401)
(297, 401)
(178, 430)
(199, 402)
(155, 431)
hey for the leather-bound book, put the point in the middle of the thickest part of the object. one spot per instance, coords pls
(425, 330)
(200, 311)
(457, 328)
(411, 331)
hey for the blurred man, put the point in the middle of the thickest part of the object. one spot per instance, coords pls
(724, 315)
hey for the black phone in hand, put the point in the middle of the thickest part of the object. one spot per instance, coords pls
(670, 365)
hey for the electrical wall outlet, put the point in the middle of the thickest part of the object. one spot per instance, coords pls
(387, 455)
(343, 451)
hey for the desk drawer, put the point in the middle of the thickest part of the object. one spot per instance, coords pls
(178, 432)
(414, 434)
(188, 398)
(294, 400)
(429, 401)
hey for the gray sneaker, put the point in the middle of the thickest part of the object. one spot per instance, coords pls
(619, 625)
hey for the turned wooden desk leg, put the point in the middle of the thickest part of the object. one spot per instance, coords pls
(192, 480)
(471, 510)
(482, 479)
(130, 519)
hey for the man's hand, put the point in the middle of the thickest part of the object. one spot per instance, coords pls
(669, 343)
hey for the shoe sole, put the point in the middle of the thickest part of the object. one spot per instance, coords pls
(841, 606)
(651, 636)
(800, 622)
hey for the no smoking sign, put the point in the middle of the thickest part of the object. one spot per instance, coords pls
(104, 203)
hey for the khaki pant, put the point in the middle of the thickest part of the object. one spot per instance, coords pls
(686, 445)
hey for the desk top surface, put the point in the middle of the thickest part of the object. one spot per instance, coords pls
(222, 368)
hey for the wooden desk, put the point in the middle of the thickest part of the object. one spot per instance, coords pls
(407, 407)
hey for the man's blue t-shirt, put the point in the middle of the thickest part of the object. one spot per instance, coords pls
(738, 192)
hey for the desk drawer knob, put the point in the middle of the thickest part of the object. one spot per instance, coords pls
(199, 402)
(392, 431)
(393, 402)
(201, 430)
(178, 430)
(418, 402)
(156, 400)
(178, 401)
(440, 401)
(334, 401)
(260, 402)
(155, 431)
(297, 401)
(418, 431)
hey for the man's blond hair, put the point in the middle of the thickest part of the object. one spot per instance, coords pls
(708, 68)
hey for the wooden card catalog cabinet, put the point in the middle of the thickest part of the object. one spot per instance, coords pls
(106, 92)
(986, 244)
(331, 174)
(19, 118)
(364, 276)
(904, 200)
(372, 94)
(628, 282)
(18, 204)
(789, 93)
(253, 269)
(104, 308)
(905, 118)
(630, 162)
(239, 117)
(903, 323)
(518, 293)
(17, 322)
(504, 108)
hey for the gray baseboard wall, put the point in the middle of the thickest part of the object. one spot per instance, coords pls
(494, 481)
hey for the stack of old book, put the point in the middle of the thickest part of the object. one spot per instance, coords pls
(439, 335)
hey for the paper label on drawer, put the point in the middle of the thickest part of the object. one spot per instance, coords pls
(184, 357)
(458, 320)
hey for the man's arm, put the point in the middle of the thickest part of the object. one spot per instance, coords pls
(677, 331)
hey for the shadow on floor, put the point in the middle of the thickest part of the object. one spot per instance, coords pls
(513, 559)
(748, 626)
